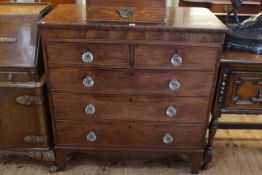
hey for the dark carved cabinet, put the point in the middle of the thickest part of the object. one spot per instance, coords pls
(238, 91)
(223, 6)
(24, 115)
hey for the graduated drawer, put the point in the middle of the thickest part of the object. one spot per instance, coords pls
(129, 134)
(176, 57)
(130, 107)
(84, 80)
(113, 55)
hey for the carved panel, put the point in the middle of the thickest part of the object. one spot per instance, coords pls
(246, 90)
(47, 156)
(36, 139)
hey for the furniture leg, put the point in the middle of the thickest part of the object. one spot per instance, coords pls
(208, 153)
(61, 158)
(196, 160)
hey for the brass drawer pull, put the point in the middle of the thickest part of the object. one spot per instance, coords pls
(125, 12)
(176, 60)
(91, 136)
(88, 82)
(7, 40)
(168, 138)
(171, 111)
(90, 109)
(87, 57)
(174, 85)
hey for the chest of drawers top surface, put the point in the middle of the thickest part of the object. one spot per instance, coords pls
(75, 16)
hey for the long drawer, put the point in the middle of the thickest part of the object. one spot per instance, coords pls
(84, 80)
(130, 108)
(120, 55)
(129, 134)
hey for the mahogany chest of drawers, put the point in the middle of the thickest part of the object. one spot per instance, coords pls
(131, 90)
(24, 114)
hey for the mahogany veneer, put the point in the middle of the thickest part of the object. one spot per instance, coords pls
(111, 89)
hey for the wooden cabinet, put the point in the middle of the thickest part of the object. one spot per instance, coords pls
(238, 91)
(53, 2)
(223, 6)
(24, 115)
(239, 84)
(139, 90)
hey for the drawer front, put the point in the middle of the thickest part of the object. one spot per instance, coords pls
(185, 83)
(245, 8)
(88, 54)
(245, 90)
(14, 77)
(176, 57)
(122, 14)
(125, 134)
(130, 107)
(22, 126)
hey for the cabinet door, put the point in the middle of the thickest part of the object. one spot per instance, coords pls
(23, 122)
(245, 90)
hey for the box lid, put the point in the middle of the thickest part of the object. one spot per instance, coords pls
(18, 33)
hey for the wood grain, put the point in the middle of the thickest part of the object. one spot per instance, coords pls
(129, 107)
(129, 135)
(128, 3)
(70, 79)
(114, 55)
(236, 152)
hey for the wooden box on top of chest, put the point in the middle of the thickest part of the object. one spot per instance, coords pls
(153, 11)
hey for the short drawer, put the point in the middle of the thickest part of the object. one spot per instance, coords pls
(130, 108)
(129, 134)
(81, 80)
(244, 90)
(92, 55)
(176, 57)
